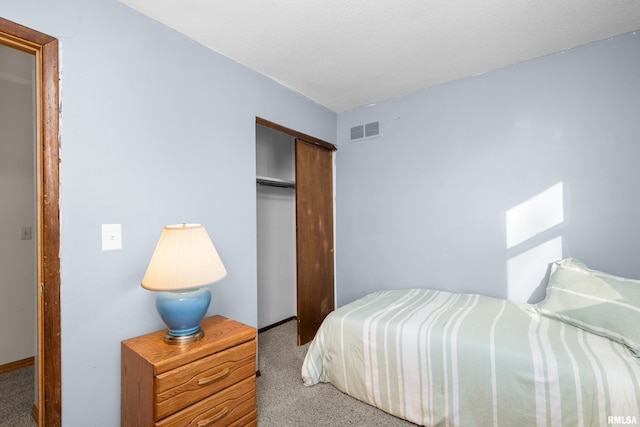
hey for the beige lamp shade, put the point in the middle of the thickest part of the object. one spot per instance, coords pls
(184, 258)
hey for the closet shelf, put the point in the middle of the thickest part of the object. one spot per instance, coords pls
(275, 182)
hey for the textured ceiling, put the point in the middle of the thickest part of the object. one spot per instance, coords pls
(347, 53)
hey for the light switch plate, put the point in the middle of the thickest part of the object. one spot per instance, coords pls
(111, 237)
(25, 233)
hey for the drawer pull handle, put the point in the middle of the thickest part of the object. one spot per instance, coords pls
(217, 376)
(213, 419)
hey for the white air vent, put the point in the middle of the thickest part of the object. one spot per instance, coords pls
(368, 130)
(371, 129)
(357, 132)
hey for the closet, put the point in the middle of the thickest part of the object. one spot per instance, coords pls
(276, 226)
(294, 202)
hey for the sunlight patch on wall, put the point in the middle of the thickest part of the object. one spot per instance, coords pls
(533, 250)
(535, 215)
(526, 271)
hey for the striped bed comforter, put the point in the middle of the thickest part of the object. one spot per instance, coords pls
(438, 358)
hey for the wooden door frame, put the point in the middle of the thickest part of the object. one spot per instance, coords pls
(308, 138)
(45, 50)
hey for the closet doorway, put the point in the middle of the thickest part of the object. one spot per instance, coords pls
(295, 228)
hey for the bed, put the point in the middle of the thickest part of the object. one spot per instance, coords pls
(438, 358)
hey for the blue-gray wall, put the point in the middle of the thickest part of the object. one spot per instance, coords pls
(155, 130)
(425, 204)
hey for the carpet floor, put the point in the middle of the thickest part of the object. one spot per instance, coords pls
(284, 401)
(17, 393)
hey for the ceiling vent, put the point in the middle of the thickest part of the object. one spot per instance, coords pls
(365, 131)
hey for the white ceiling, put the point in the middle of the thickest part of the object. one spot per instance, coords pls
(347, 53)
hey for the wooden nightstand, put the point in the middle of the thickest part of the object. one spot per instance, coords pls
(210, 382)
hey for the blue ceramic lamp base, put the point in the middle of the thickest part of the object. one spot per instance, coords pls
(182, 312)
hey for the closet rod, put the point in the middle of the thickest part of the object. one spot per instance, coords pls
(274, 182)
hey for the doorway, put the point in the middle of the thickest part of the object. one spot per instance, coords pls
(18, 300)
(305, 194)
(45, 50)
(276, 227)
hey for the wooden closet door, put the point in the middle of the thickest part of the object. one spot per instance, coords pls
(314, 237)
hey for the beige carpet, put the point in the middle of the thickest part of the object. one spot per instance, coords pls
(17, 393)
(283, 401)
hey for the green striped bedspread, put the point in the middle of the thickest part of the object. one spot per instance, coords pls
(437, 358)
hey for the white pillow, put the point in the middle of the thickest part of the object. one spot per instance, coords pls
(597, 302)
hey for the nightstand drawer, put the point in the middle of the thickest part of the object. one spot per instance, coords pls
(180, 387)
(222, 409)
(210, 381)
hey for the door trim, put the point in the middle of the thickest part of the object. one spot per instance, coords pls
(45, 49)
(307, 138)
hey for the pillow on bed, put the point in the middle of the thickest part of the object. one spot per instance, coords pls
(597, 302)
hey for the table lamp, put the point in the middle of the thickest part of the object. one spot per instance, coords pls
(183, 263)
